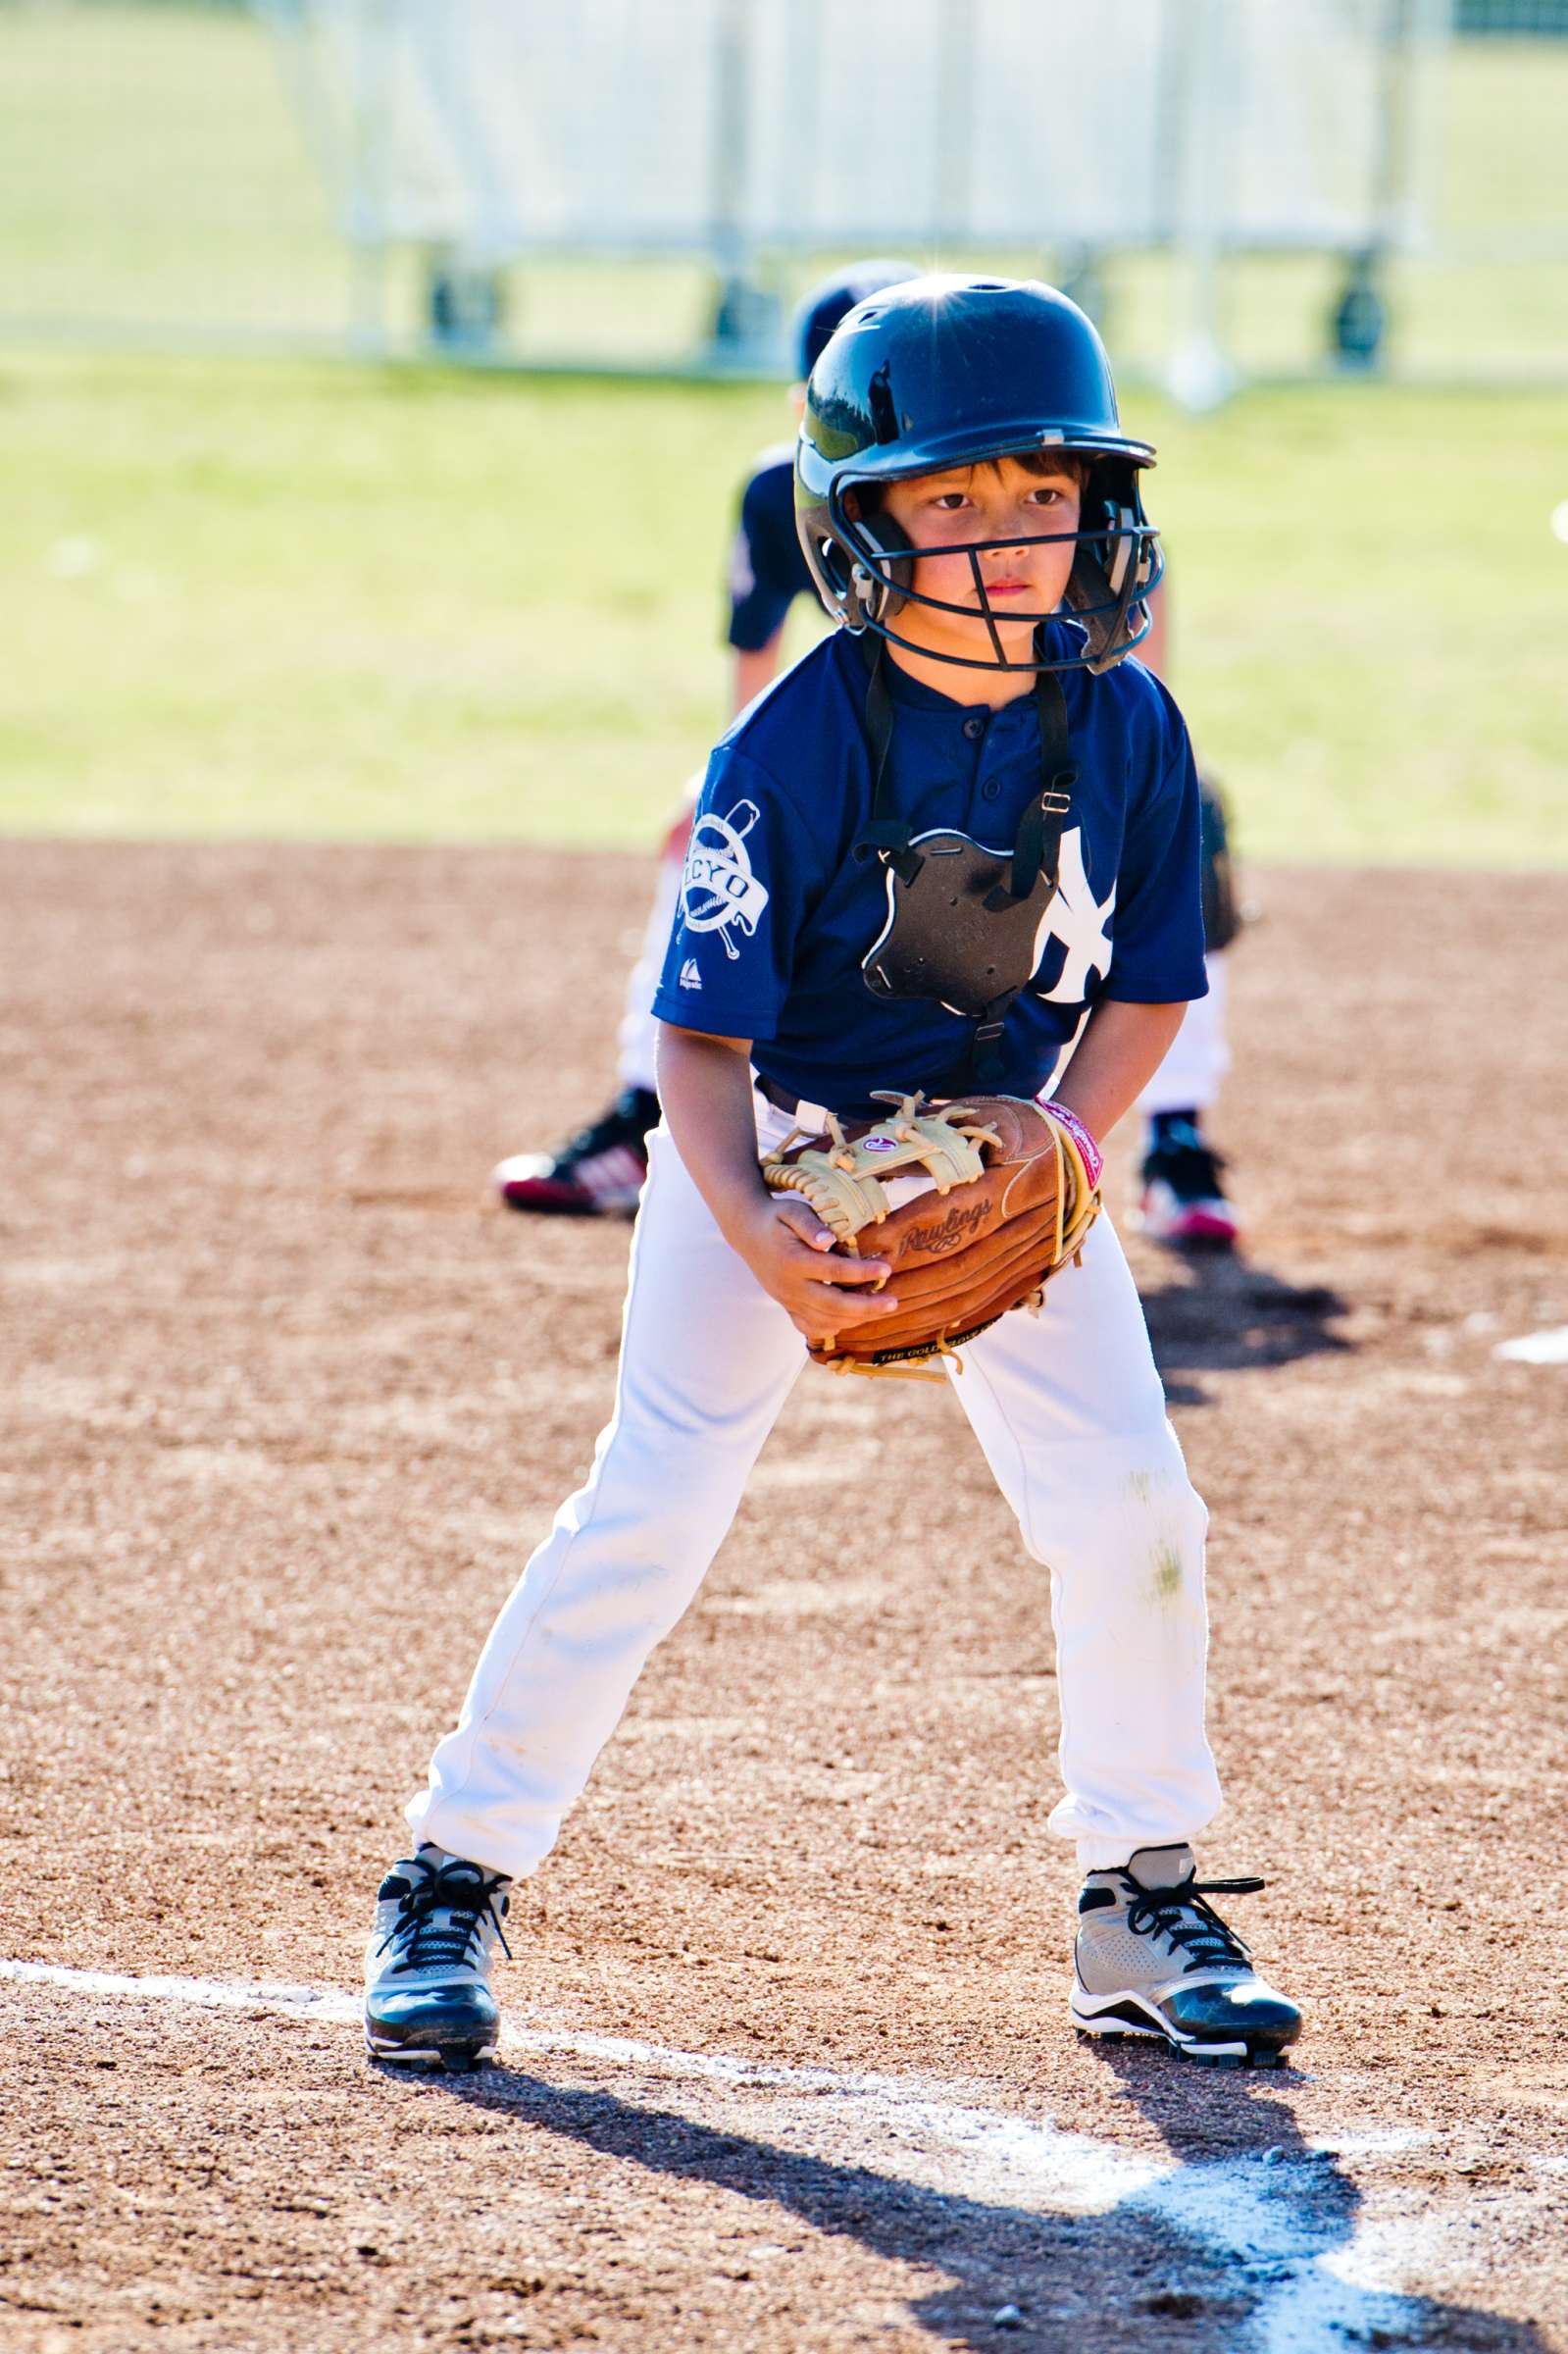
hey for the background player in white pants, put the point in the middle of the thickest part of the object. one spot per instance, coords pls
(771, 1008)
(600, 1170)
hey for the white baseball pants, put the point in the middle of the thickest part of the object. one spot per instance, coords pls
(1198, 1056)
(1069, 1410)
(638, 1039)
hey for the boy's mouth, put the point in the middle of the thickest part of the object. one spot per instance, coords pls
(1008, 589)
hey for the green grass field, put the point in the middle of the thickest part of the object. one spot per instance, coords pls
(277, 599)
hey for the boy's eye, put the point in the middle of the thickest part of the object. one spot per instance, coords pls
(950, 501)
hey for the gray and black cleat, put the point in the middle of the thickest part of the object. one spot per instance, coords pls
(1152, 1958)
(428, 1961)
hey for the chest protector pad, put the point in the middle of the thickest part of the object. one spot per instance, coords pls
(954, 931)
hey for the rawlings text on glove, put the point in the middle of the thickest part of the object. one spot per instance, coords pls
(977, 1203)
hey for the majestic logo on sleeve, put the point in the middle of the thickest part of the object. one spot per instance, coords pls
(719, 891)
(1077, 920)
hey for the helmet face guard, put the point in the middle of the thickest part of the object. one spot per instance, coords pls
(937, 373)
(864, 568)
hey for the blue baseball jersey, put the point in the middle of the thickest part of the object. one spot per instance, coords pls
(767, 569)
(776, 910)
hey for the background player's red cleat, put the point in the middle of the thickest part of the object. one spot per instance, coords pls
(597, 1174)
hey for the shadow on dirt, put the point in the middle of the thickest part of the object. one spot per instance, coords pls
(1211, 2255)
(1221, 1314)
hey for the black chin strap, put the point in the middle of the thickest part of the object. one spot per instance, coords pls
(1037, 850)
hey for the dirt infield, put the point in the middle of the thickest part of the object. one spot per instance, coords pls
(790, 2067)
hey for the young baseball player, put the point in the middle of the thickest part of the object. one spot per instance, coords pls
(599, 1171)
(961, 472)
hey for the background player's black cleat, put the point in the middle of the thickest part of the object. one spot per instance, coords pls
(428, 1962)
(597, 1174)
(1183, 1201)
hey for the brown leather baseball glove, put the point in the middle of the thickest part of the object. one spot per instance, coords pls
(977, 1203)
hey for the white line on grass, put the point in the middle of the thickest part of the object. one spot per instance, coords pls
(1286, 2221)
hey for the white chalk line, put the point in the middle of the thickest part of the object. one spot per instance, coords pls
(1548, 1348)
(1314, 2278)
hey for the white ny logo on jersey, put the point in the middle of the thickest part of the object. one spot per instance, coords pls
(1077, 920)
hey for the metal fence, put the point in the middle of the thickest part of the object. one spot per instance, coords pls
(298, 173)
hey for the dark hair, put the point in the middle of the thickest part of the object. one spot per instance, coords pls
(1076, 464)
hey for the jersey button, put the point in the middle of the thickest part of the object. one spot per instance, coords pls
(974, 729)
(991, 792)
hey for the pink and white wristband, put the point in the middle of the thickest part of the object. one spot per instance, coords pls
(1088, 1150)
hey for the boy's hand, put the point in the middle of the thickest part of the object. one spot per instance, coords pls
(790, 1253)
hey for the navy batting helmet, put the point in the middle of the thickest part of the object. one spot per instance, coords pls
(819, 310)
(943, 371)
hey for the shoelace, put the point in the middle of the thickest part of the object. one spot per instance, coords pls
(1191, 1925)
(460, 1891)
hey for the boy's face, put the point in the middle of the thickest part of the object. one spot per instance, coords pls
(992, 501)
